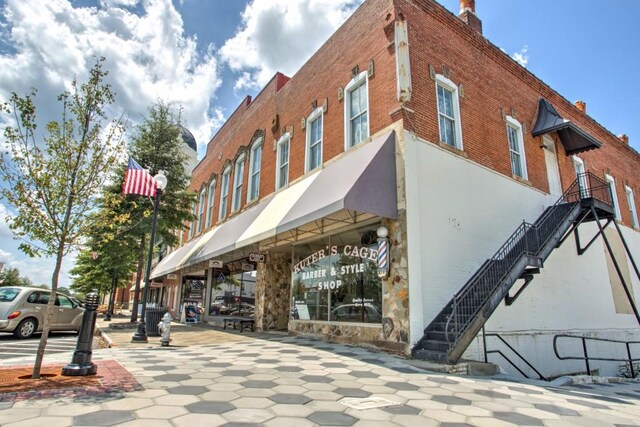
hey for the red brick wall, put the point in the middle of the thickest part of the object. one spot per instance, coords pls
(493, 82)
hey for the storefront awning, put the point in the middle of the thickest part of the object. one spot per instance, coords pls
(180, 257)
(574, 139)
(364, 180)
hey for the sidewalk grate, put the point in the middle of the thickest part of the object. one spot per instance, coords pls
(364, 403)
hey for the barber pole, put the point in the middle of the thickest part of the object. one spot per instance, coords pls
(383, 252)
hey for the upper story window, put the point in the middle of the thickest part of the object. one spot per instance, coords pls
(632, 206)
(448, 112)
(282, 156)
(614, 195)
(313, 158)
(211, 190)
(238, 177)
(254, 170)
(200, 211)
(181, 238)
(224, 193)
(192, 225)
(516, 147)
(356, 110)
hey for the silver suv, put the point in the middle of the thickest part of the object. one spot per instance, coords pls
(22, 311)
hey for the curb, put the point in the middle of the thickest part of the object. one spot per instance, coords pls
(106, 338)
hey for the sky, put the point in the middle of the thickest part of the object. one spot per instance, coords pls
(207, 55)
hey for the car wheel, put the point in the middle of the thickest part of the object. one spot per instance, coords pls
(26, 328)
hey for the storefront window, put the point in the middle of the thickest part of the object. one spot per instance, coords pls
(335, 279)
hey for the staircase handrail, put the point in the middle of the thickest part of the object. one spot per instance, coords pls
(583, 187)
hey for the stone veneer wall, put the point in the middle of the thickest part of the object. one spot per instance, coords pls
(273, 293)
(393, 334)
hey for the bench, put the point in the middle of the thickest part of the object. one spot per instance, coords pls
(243, 322)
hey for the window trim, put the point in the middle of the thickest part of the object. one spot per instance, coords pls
(515, 124)
(631, 201)
(224, 193)
(284, 138)
(192, 223)
(211, 193)
(614, 195)
(315, 114)
(259, 143)
(201, 199)
(355, 83)
(236, 198)
(455, 99)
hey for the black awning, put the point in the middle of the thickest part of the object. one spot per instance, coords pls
(574, 139)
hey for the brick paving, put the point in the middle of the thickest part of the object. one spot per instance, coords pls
(279, 380)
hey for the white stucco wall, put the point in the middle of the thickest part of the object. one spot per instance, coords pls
(459, 214)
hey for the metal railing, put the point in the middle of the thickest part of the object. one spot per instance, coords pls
(586, 356)
(505, 357)
(528, 239)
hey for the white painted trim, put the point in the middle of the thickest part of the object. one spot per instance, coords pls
(614, 195)
(257, 143)
(201, 210)
(318, 112)
(348, 90)
(235, 196)
(451, 86)
(286, 137)
(631, 201)
(512, 122)
(211, 197)
(222, 209)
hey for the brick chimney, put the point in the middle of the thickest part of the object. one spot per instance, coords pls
(468, 15)
(581, 105)
(624, 138)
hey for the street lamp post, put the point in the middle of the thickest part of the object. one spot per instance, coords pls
(141, 333)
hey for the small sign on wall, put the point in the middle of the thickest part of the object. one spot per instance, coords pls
(172, 276)
(215, 263)
(257, 257)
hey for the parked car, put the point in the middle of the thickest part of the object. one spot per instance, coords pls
(355, 313)
(22, 311)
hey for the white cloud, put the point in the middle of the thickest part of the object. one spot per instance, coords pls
(148, 56)
(522, 57)
(281, 36)
(4, 227)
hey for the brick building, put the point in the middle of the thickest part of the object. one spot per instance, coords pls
(370, 192)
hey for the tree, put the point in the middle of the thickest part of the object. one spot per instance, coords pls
(11, 277)
(52, 184)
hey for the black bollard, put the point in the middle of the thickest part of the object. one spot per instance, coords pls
(81, 363)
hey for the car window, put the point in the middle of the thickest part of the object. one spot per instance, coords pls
(63, 301)
(43, 298)
(8, 294)
(33, 298)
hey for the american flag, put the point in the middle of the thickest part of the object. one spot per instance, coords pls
(138, 181)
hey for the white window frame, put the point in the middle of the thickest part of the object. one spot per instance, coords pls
(201, 200)
(631, 201)
(579, 168)
(211, 192)
(224, 193)
(192, 224)
(284, 139)
(515, 124)
(181, 236)
(251, 187)
(614, 195)
(238, 182)
(355, 83)
(317, 113)
(453, 88)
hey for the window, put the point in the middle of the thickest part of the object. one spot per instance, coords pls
(210, 198)
(614, 195)
(578, 166)
(254, 171)
(356, 111)
(314, 140)
(224, 193)
(200, 211)
(516, 147)
(192, 223)
(632, 206)
(282, 170)
(181, 236)
(238, 177)
(448, 112)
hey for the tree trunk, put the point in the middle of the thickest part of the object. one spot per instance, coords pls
(49, 316)
(134, 309)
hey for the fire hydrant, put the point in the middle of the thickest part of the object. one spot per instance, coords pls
(165, 329)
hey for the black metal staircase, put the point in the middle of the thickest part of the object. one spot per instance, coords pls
(520, 257)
